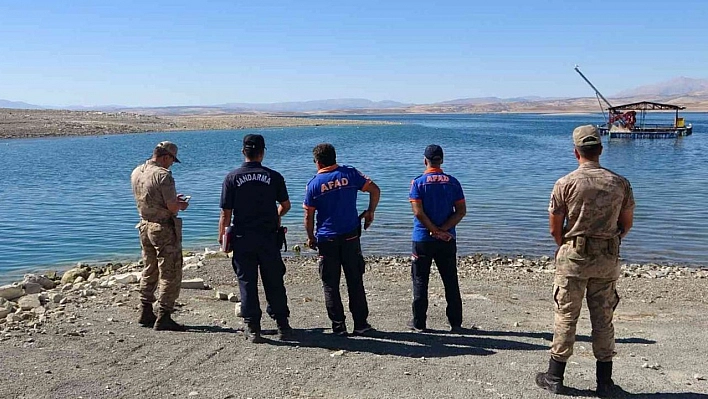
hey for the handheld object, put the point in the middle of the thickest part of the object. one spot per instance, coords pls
(186, 198)
(282, 241)
(226, 240)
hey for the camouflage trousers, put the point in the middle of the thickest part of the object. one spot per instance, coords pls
(162, 254)
(602, 299)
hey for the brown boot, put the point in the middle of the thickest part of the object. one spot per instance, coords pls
(165, 323)
(147, 316)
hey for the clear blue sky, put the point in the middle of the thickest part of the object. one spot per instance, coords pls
(148, 53)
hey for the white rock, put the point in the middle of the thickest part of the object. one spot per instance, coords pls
(190, 259)
(338, 353)
(221, 296)
(67, 287)
(193, 284)
(190, 268)
(233, 297)
(44, 281)
(39, 310)
(11, 291)
(13, 318)
(127, 278)
(56, 298)
(79, 280)
(32, 288)
(29, 302)
(91, 277)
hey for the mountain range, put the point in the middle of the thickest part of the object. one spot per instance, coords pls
(689, 92)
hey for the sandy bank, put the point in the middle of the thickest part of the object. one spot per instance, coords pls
(15, 123)
(83, 339)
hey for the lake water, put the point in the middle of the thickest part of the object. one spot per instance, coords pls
(64, 200)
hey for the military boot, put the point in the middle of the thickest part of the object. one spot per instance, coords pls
(253, 333)
(165, 323)
(606, 388)
(285, 332)
(147, 316)
(552, 380)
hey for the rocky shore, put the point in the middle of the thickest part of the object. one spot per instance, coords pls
(75, 334)
(20, 123)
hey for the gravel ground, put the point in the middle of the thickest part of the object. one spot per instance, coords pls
(19, 123)
(91, 346)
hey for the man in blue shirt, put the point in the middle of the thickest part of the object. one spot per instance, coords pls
(332, 195)
(249, 195)
(438, 206)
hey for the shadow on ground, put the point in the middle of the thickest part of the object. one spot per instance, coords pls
(407, 344)
(573, 392)
(433, 343)
(549, 336)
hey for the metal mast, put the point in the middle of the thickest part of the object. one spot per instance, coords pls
(597, 94)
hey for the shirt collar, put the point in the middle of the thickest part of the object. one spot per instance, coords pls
(252, 163)
(328, 168)
(434, 170)
(589, 165)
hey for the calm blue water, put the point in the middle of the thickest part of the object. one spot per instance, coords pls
(68, 199)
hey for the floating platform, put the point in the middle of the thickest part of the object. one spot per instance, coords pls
(647, 133)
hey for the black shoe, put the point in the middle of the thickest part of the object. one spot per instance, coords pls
(285, 332)
(339, 328)
(552, 380)
(608, 389)
(412, 327)
(147, 316)
(165, 323)
(253, 334)
(547, 382)
(457, 330)
(363, 329)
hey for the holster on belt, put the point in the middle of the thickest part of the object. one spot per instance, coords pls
(178, 228)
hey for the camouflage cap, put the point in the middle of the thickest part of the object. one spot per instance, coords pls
(586, 135)
(168, 147)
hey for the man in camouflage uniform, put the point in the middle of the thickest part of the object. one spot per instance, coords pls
(591, 209)
(160, 235)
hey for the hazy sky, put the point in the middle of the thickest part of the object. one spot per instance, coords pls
(147, 53)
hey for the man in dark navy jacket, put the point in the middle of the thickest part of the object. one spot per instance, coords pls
(250, 194)
(332, 195)
(438, 206)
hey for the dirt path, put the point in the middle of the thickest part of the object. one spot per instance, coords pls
(96, 350)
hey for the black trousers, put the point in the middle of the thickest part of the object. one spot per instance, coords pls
(343, 253)
(445, 256)
(252, 253)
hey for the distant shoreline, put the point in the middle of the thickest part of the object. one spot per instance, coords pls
(21, 123)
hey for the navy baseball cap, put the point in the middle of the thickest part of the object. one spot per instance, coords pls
(434, 152)
(253, 142)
